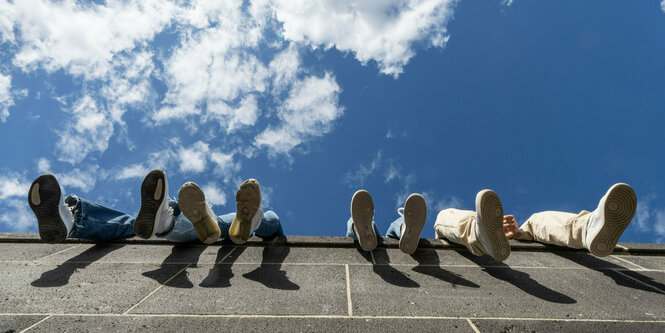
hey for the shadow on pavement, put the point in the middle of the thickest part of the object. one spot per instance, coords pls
(385, 271)
(430, 257)
(60, 275)
(180, 257)
(220, 274)
(269, 273)
(608, 268)
(519, 279)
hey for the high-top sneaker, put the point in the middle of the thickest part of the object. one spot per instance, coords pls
(54, 218)
(248, 211)
(489, 225)
(606, 224)
(192, 203)
(155, 215)
(415, 214)
(362, 213)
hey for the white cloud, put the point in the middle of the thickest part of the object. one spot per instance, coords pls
(383, 31)
(83, 38)
(214, 195)
(225, 165)
(507, 3)
(194, 158)
(16, 216)
(308, 112)
(132, 171)
(43, 165)
(83, 180)
(355, 179)
(13, 186)
(6, 99)
(650, 219)
(662, 5)
(6, 22)
(89, 130)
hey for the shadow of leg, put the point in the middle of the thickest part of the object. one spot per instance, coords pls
(59, 276)
(269, 273)
(427, 258)
(615, 272)
(387, 272)
(520, 280)
(176, 261)
(220, 275)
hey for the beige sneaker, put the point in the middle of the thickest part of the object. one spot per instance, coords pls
(615, 211)
(489, 228)
(415, 214)
(192, 203)
(248, 214)
(362, 213)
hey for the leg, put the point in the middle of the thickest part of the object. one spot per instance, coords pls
(182, 230)
(458, 226)
(98, 223)
(556, 228)
(270, 226)
(395, 228)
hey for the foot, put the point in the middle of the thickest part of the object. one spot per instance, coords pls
(489, 228)
(154, 215)
(248, 211)
(362, 213)
(192, 203)
(415, 214)
(607, 223)
(55, 220)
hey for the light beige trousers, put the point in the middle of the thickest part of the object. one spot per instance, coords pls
(549, 227)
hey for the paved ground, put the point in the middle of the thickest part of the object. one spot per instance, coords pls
(325, 284)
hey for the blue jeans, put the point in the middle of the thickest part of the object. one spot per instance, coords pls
(394, 230)
(101, 224)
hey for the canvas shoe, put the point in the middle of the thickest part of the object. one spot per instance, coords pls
(54, 218)
(248, 211)
(606, 224)
(415, 214)
(155, 215)
(362, 213)
(489, 225)
(192, 203)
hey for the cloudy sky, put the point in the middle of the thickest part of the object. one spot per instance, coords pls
(546, 102)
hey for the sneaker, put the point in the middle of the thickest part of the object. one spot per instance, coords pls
(362, 213)
(54, 218)
(615, 211)
(489, 228)
(155, 216)
(192, 203)
(415, 214)
(248, 211)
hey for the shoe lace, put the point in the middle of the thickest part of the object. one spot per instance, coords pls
(400, 211)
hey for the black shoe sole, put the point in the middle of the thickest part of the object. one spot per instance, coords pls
(145, 220)
(44, 199)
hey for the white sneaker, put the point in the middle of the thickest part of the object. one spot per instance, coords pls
(362, 213)
(415, 214)
(155, 215)
(489, 225)
(606, 224)
(192, 203)
(54, 218)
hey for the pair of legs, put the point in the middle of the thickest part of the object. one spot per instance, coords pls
(487, 230)
(59, 218)
(406, 228)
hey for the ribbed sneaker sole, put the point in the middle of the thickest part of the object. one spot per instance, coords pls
(44, 199)
(415, 214)
(620, 206)
(191, 201)
(248, 201)
(362, 213)
(151, 198)
(490, 213)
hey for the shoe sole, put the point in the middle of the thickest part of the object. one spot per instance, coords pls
(153, 195)
(192, 203)
(44, 200)
(362, 213)
(619, 209)
(490, 214)
(415, 214)
(248, 201)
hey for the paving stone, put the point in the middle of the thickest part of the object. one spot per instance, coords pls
(500, 292)
(299, 255)
(77, 288)
(28, 251)
(565, 326)
(254, 289)
(648, 262)
(225, 324)
(141, 253)
(16, 323)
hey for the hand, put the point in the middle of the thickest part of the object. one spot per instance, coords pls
(510, 226)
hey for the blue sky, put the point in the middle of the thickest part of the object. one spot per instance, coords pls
(548, 103)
